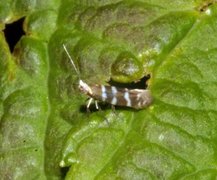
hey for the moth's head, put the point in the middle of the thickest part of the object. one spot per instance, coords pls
(84, 88)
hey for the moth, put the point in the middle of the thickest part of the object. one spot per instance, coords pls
(133, 98)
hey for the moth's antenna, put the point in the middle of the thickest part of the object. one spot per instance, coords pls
(71, 60)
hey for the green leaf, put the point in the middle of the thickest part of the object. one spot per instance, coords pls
(45, 131)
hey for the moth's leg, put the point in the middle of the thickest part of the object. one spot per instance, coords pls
(113, 108)
(114, 112)
(97, 105)
(89, 103)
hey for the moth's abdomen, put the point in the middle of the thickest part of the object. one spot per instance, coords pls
(135, 98)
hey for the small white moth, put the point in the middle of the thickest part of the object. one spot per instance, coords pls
(134, 98)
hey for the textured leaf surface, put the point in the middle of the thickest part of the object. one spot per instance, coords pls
(44, 126)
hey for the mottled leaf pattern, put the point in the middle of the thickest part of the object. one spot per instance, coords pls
(45, 131)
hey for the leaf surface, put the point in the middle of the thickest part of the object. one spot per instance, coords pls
(44, 124)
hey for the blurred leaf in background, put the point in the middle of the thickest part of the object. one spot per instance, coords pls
(45, 132)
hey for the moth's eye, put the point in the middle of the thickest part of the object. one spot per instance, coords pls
(80, 88)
